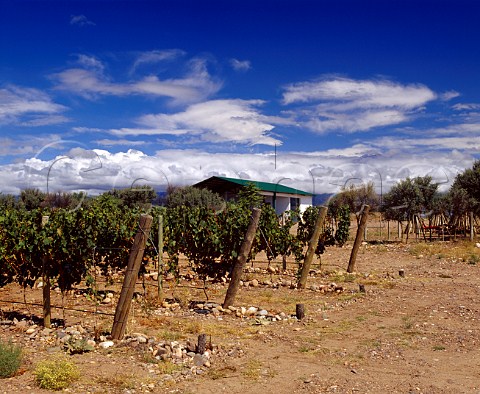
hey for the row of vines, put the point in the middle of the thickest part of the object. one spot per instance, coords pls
(65, 247)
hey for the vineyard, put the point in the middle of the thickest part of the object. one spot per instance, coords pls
(330, 333)
(64, 245)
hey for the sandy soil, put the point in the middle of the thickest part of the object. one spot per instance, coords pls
(414, 334)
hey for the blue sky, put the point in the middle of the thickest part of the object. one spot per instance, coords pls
(102, 94)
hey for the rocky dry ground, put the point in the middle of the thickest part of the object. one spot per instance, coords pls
(414, 334)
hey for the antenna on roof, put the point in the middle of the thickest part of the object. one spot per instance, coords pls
(275, 155)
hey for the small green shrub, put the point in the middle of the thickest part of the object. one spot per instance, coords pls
(10, 359)
(55, 374)
(77, 346)
(473, 259)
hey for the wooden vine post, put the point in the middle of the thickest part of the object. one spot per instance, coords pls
(131, 274)
(242, 258)
(47, 310)
(358, 239)
(312, 247)
(202, 343)
(300, 311)
(160, 257)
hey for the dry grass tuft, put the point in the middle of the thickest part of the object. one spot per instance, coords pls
(167, 367)
(119, 380)
(221, 372)
(464, 251)
(252, 369)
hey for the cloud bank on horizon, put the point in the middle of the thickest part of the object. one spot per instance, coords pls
(100, 118)
(95, 171)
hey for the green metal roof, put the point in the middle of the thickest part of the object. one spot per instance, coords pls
(266, 186)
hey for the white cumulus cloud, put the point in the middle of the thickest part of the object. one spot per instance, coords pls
(213, 121)
(240, 65)
(90, 81)
(90, 62)
(350, 105)
(19, 104)
(156, 56)
(119, 142)
(466, 107)
(323, 171)
(451, 94)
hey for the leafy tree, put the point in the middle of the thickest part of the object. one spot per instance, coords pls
(194, 197)
(31, 198)
(440, 204)
(428, 193)
(410, 197)
(135, 197)
(61, 200)
(354, 197)
(465, 191)
(7, 201)
(459, 203)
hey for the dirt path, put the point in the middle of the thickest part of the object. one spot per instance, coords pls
(417, 334)
(414, 334)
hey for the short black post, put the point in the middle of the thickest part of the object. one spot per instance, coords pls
(300, 311)
(202, 343)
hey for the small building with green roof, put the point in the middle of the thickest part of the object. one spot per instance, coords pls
(281, 197)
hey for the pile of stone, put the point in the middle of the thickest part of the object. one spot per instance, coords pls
(323, 288)
(276, 270)
(77, 339)
(330, 288)
(268, 283)
(270, 270)
(174, 351)
(242, 311)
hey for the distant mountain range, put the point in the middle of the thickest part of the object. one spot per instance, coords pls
(321, 199)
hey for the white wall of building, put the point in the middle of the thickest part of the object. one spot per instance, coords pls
(283, 202)
(305, 202)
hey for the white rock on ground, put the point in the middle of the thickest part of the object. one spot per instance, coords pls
(106, 344)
